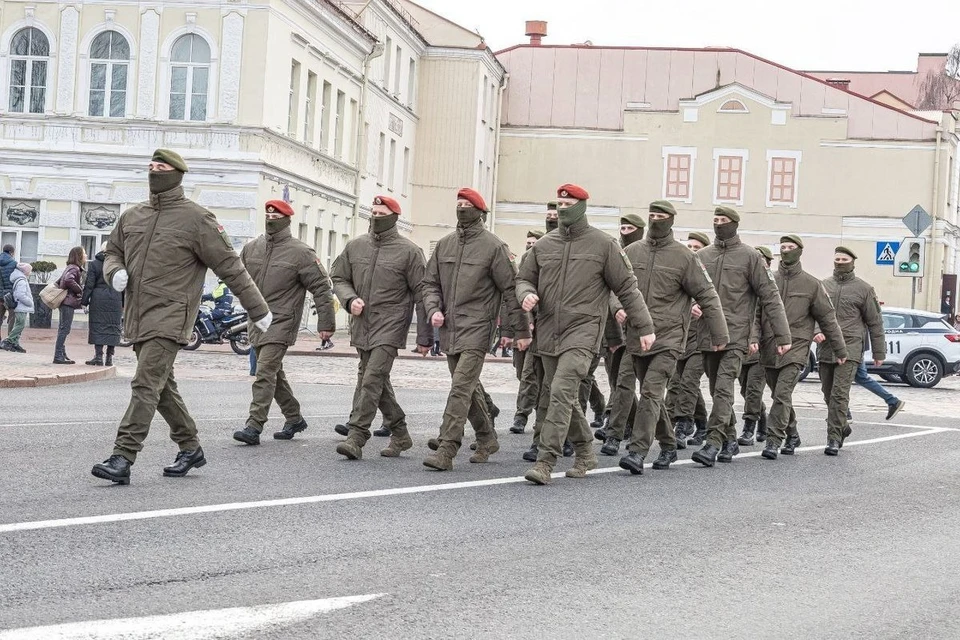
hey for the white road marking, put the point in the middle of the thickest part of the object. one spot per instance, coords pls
(72, 423)
(190, 625)
(376, 493)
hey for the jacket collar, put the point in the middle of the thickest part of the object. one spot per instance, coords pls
(574, 230)
(791, 269)
(279, 236)
(844, 277)
(470, 231)
(659, 242)
(728, 244)
(165, 198)
(392, 232)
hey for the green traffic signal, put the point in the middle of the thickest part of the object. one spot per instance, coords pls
(914, 267)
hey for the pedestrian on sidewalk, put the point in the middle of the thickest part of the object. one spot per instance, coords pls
(24, 301)
(104, 308)
(7, 266)
(70, 280)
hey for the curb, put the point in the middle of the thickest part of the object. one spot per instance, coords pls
(52, 379)
(404, 355)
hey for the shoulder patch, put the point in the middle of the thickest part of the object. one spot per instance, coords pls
(626, 260)
(224, 236)
(770, 275)
(704, 269)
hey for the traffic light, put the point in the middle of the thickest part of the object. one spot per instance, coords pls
(909, 261)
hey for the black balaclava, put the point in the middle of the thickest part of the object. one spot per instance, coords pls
(842, 269)
(791, 257)
(468, 215)
(161, 181)
(277, 224)
(379, 224)
(726, 231)
(660, 228)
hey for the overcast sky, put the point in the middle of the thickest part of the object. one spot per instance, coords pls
(841, 35)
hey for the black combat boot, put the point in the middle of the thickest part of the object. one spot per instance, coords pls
(567, 449)
(707, 456)
(699, 435)
(108, 361)
(530, 455)
(746, 438)
(185, 461)
(730, 449)
(845, 434)
(94, 362)
(519, 424)
(762, 425)
(342, 430)
(611, 447)
(770, 451)
(632, 462)
(383, 432)
(600, 434)
(289, 430)
(598, 419)
(790, 445)
(682, 428)
(115, 469)
(664, 459)
(833, 448)
(247, 435)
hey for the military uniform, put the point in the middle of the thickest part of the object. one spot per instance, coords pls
(572, 272)
(466, 278)
(858, 312)
(384, 270)
(529, 389)
(742, 281)
(752, 383)
(160, 251)
(284, 269)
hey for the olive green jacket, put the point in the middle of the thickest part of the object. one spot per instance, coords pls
(573, 271)
(858, 312)
(466, 279)
(384, 270)
(166, 244)
(284, 270)
(807, 305)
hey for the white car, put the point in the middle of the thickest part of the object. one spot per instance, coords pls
(922, 348)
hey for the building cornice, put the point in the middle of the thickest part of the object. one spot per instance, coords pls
(474, 55)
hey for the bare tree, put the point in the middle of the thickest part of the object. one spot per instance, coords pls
(940, 88)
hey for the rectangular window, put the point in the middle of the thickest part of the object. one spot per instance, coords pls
(783, 174)
(338, 127)
(91, 243)
(678, 176)
(325, 118)
(483, 113)
(387, 53)
(331, 248)
(396, 72)
(411, 82)
(302, 232)
(294, 101)
(729, 178)
(393, 165)
(318, 241)
(353, 131)
(405, 187)
(309, 117)
(381, 155)
(26, 244)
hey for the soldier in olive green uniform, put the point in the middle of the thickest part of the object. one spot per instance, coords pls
(623, 382)
(466, 278)
(684, 398)
(568, 278)
(159, 254)
(529, 387)
(742, 281)
(807, 306)
(284, 269)
(670, 277)
(858, 312)
(377, 278)
(751, 387)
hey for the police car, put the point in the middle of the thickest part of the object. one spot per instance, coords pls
(922, 348)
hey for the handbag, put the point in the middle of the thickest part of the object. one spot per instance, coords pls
(9, 301)
(52, 295)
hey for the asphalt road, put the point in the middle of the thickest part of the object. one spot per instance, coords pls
(863, 545)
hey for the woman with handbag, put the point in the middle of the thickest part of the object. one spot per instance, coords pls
(70, 281)
(104, 312)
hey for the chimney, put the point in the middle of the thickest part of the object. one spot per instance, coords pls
(536, 30)
(839, 83)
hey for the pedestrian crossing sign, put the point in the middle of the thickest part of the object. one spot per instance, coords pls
(887, 251)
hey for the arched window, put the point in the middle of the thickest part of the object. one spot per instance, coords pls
(109, 62)
(189, 73)
(29, 56)
(733, 106)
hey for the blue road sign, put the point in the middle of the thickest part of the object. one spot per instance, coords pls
(886, 251)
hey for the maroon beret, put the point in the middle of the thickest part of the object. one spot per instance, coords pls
(572, 191)
(389, 203)
(475, 198)
(278, 206)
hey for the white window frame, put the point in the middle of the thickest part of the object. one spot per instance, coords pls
(82, 103)
(796, 156)
(744, 155)
(18, 243)
(6, 67)
(678, 151)
(213, 78)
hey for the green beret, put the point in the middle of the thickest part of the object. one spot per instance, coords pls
(765, 252)
(727, 211)
(535, 233)
(702, 238)
(551, 206)
(792, 238)
(662, 206)
(849, 252)
(633, 218)
(172, 158)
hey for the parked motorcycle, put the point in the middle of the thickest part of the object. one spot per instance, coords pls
(231, 328)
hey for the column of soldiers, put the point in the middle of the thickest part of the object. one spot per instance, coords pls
(657, 312)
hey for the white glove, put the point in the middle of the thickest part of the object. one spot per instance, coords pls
(264, 323)
(120, 279)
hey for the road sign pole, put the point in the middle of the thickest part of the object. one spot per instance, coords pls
(913, 293)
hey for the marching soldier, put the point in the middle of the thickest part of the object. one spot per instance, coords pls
(466, 278)
(552, 220)
(529, 387)
(742, 281)
(284, 269)
(807, 306)
(751, 387)
(568, 277)
(377, 278)
(159, 254)
(669, 276)
(858, 312)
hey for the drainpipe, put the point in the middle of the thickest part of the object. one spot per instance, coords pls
(361, 141)
(496, 154)
(934, 287)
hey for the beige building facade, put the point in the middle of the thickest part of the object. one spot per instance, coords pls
(719, 126)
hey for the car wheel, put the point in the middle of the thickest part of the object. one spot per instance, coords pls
(806, 369)
(241, 346)
(923, 370)
(194, 342)
(890, 377)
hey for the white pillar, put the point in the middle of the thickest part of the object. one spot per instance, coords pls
(149, 53)
(230, 55)
(67, 59)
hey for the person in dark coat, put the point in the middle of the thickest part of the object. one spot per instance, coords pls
(71, 280)
(105, 312)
